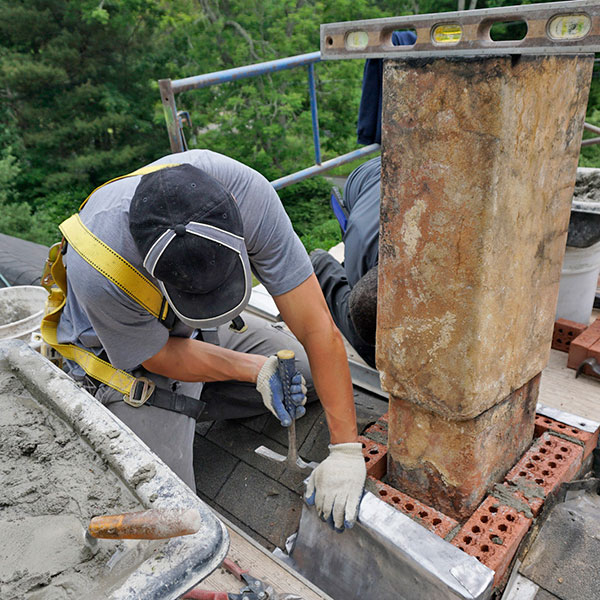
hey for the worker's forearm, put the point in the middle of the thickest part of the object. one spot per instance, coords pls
(191, 360)
(331, 376)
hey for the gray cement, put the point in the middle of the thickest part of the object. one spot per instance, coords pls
(11, 312)
(66, 458)
(587, 185)
(52, 483)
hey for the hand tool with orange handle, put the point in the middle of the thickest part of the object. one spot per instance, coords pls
(153, 524)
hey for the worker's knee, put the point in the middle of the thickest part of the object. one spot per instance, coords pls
(362, 306)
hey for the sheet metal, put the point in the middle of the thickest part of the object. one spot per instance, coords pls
(475, 41)
(386, 555)
(521, 589)
(366, 378)
(567, 418)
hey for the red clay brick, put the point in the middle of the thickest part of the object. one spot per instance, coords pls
(384, 419)
(579, 348)
(565, 332)
(492, 535)
(375, 457)
(593, 352)
(543, 424)
(431, 519)
(377, 433)
(549, 462)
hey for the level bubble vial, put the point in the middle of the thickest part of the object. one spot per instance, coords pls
(450, 33)
(357, 40)
(569, 27)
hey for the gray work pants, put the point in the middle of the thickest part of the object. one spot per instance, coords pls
(170, 435)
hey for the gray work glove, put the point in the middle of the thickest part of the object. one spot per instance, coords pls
(270, 386)
(336, 486)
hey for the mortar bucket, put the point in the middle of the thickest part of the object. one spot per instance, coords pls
(578, 281)
(21, 311)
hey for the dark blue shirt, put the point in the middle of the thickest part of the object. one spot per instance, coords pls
(369, 113)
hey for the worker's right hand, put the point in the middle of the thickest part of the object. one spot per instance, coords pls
(270, 386)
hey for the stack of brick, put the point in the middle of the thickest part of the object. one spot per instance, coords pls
(584, 346)
(565, 332)
(494, 532)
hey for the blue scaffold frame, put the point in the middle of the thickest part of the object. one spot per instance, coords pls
(168, 89)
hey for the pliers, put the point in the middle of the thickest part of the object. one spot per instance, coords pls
(255, 589)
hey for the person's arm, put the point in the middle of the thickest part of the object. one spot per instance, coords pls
(185, 359)
(335, 487)
(305, 312)
(191, 360)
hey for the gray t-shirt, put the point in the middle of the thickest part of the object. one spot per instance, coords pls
(99, 316)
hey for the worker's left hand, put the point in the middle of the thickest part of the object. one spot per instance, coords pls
(335, 487)
(270, 386)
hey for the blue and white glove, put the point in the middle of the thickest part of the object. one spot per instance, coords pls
(270, 386)
(336, 486)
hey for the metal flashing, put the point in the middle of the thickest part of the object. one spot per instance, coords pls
(567, 418)
(386, 555)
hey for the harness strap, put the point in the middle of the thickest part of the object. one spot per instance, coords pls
(115, 268)
(161, 398)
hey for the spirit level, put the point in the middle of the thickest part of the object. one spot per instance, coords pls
(553, 28)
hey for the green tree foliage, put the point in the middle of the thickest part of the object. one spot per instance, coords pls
(75, 87)
(265, 121)
(79, 101)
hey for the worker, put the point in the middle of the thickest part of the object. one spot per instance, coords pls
(351, 289)
(195, 224)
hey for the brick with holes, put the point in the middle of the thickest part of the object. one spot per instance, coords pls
(588, 439)
(565, 332)
(492, 535)
(375, 457)
(593, 352)
(550, 461)
(580, 346)
(377, 433)
(429, 517)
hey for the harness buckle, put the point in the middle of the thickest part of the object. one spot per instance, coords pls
(146, 390)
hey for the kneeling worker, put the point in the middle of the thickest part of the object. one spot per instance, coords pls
(187, 230)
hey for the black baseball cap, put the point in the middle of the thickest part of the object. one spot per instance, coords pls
(189, 231)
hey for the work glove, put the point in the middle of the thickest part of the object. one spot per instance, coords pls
(270, 386)
(336, 486)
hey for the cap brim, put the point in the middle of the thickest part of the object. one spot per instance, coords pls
(217, 307)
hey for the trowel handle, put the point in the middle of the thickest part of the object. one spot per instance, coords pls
(286, 365)
(154, 524)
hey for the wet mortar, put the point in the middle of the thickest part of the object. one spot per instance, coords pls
(51, 484)
(587, 186)
(11, 311)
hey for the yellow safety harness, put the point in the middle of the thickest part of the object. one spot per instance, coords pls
(135, 390)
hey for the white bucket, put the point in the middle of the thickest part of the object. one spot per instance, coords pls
(578, 282)
(21, 311)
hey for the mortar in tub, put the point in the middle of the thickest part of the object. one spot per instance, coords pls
(66, 459)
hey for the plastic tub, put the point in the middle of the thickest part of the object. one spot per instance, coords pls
(21, 311)
(578, 282)
(113, 457)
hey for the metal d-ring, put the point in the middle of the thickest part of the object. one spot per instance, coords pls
(147, 390)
